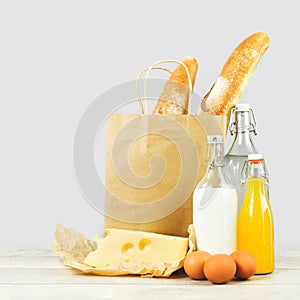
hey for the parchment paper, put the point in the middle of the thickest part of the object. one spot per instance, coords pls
(72, 247)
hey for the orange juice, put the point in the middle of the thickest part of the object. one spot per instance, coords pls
(255, 226)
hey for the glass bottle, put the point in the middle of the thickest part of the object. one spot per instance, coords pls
(243, 124)
(255, 226)
(215, 205)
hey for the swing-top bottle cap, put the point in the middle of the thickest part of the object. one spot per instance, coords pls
(242, 107)
(215, 139)
(242, 119)
(255, 157)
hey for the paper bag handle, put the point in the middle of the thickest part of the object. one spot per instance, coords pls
(137, 85)
(153, 67)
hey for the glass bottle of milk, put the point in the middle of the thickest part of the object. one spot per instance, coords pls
(242, 125)
(215, 205)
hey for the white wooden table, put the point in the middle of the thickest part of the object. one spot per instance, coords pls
(39, 274)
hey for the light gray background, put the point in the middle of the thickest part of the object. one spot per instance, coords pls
(56, 57)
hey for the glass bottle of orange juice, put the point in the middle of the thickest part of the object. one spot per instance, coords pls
(255, 225)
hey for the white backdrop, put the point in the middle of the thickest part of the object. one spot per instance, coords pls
(56, 57)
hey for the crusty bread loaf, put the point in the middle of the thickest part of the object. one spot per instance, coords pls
(174, 99)
(228, 89)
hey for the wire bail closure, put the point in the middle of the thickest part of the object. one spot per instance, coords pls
(233, 121)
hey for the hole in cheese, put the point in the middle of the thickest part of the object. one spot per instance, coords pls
(127, 248)
(144, 244)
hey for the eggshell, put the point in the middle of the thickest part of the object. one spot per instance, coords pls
(194, 263)
(245, 264)
(219, 268)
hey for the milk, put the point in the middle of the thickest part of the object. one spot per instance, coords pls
(215, 213)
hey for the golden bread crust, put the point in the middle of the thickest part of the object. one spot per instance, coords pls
(227, 90)
(174, 98)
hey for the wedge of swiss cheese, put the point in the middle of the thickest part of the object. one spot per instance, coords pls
(136, 246)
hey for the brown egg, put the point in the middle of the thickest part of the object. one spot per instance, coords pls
(219, 268)
(194, 262)
(245, 264)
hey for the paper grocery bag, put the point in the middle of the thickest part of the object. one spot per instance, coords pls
(153, 164)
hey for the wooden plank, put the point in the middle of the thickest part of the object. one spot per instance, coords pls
(6, 252)
(81, 291)
(47, 252)
(31, 262)
(68, 276)
(39, 262)
(47, 259)
(287, 252)
(39, 274)
(287, 262)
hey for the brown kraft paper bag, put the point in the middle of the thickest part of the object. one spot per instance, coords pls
(153, 164)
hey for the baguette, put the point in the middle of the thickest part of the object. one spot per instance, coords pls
(174, 98)
(229, 86)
